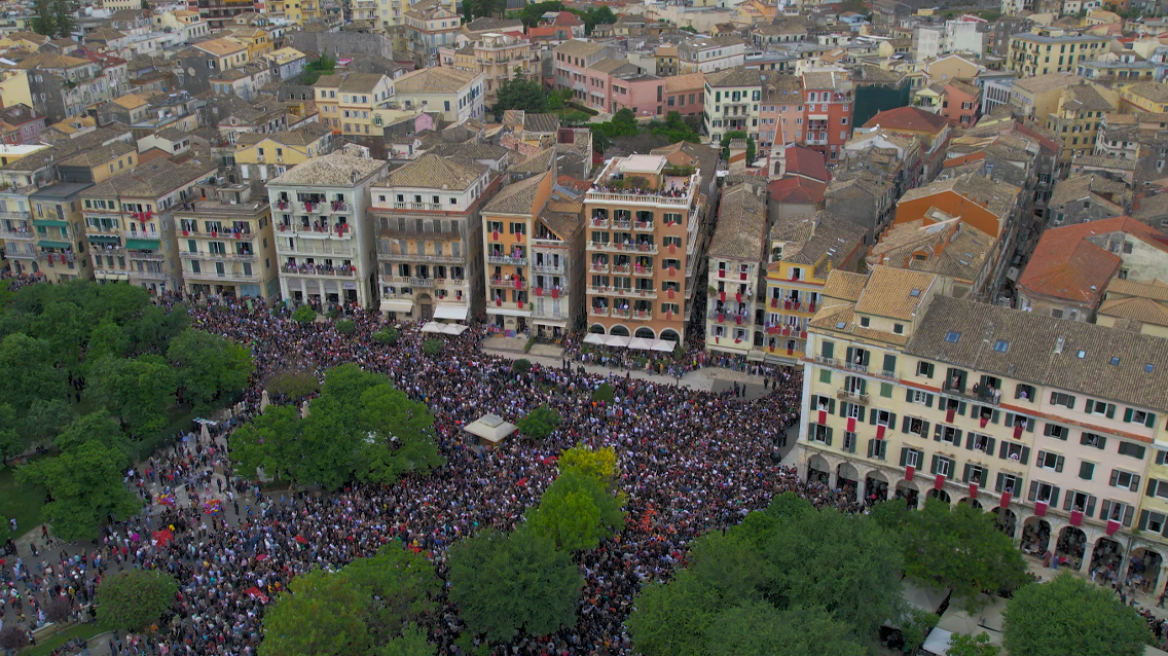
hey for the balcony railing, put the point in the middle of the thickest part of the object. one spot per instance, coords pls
(232, 257)
(145, 255)
(319, 270)
(339, 231)
(598, 312)
(643, 315)
(507, 259)
(548, 268)
(625, 292)
(853, 397)
(506, 283)
(600, 267)
(430, 259)
(623, 248)
(621, 268)
(643, 271)
(315, 247)
(418, 206)
(980, 397)
(17, 234)
(643, 226)
(622, 313)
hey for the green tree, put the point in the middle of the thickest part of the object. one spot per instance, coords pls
(107, 339)
(97, 426)
(5, 530)
(296, 385)
(599, 463)
(962, 644)
(432, 347)
(400, 586)
(134, 599)
(348, 382)
(603, 393)
(46, 419)
(576, 511)
(388, 336)
(153, 331)
(412, 642)
(503, 584)
(27, 372)
(209, 367)
(399, 436)
(270, 442)
(63, 21)
(138, 392)
(12, 441)
(320, 615)
(329, 444)
(759, 629)
(304, 314)
(539, 423)
(673, 619)
(64, 332)
(751, 149)
(915, 627)
(845, 564)
(86, 486)
(892, 514)
(44, 22)
(346, 326)
(1072, 616)
(520, 366)
(520, 93)
(960, 548)
(531, 14)
(789, 505)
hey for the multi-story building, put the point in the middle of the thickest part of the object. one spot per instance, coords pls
(736, 272)
(1050, 425)
(709, 54)
(60, 232)
(732, 103)
(227, 245)
(498, 56)
(803, 251)
(1144, 97)
(63, 87)
(931, 130)
(430, 25)
(324, 243)
(266, 156)
(533, 238)
(457, 95)
(129, 226)
(429, 245)
(644, 235)
(1077, 118)
(828, 116)
(1035, 54)
(349, 103)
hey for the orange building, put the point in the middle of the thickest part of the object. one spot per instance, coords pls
(979, 201)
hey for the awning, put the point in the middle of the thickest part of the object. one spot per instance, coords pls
(454, 328)
(491, 428)
(640, 344)
(142, 244)
(938, 642)
(45, 243)
(595, 338)
(455, 312)
(664, 345)
(432, 327)
(506, 312)
(553, 324)
(817, 117)
(50, 223)
(112, 276)
(103, 239)
(397, 306)
(617, 340)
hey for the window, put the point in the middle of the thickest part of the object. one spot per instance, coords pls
(1091, 439)
(1014, 451)
(877, 449)
(942, 466)
(825, 376)
(915, 426)
(1058, 398)
(979, 442)
(952, 336)
(910, 457)
(925, 369)
(947, 434)
(1151, 521)
(1043, 492)
(1157, 488)
(1123, 479)
(1100, 408)
(1008, 483)
(975, 474)
(1133, 416)
(820, 433)
(1024, 393)
(1134, 450)
(1049, 460)
(1116, 511)
(923, 398)
(1086, 470)
(1056, 431)
(1080, 501)
(898, 328)
(865, 322)
(850, 442)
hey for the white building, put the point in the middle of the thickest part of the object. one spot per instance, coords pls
(323, 241)
(457, 94)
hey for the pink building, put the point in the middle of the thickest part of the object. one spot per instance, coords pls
(602, 79)
(685, 94)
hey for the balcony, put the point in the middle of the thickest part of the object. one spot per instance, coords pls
(622, 268)
(17, 234)
(624, 292)
(547, 243)
(315, 247)
(507, 259)
(610, 247)
(599, 222)
(622, 314)
(145, 255)
(428, 259)
(506, 283)
(145, 275)
(226, 233)
(429, 207)
(228, 276)
(643, 315)
(339, 231)
(622, 224)
(230, 257)
(16, 216)
(598, 311)
(548, 268)
(318, 270)
(644, 271)
(853, 397)
(858, 368)
(643, 226)
(600, 267)
(985, 399)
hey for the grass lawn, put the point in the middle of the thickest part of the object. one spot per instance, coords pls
(51, 641)
(23, 505)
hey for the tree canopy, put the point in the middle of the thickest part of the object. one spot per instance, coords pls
(576, 511)
(539, 423)
(1072, 616)
(134, 599)
(209, 367)
(86, 486)
(360, 427)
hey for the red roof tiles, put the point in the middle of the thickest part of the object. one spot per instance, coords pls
(908, 118)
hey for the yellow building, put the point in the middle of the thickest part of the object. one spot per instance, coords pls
(1078, 117)
(349, 103)
(101, 163)
(228, 53)
(267, 156)
(14, 87)
(257, 41)
(1144, 97)
(1034, 54)
(60, 232)
(226, 244)
(803, 250)
(1055, 427)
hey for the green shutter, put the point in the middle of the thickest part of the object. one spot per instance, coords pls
(828, 349)
(1127, 415)
(851, 355)
(825, 376)
(886, 390)
(1111, 411)
(1090, 406)
(889, 362)
(1151, 420)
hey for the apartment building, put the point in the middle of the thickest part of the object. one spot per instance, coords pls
(324, 243)
(736, 274)
(267, 156)
(1036, 54)
(828, 118)
(1144, 97)
(61, 247)
(710, 54)
(227, 245)
(430, 25)
(129, 224)
(429, 242)
(349, 103)
(62, 86)
(732, 99)
(1050, 425)
(644, 219)
(931, 130)
(498, 56)
(533, 237)
(457, 95)
(802, 253)
(1077, 118)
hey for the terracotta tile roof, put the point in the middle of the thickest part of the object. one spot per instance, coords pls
(799, 191)
(845, 285)
(894, 293)
(517, 198)
(742, 220)
(910, 118)
(1140, 309)
(803, 161)
(815, 236)
(1066, 265)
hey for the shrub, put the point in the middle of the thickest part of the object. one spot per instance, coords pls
(432, 347)
(333, 313)
(539, 423)
(304, 314)
(346, 327)
(387, 336)
(295, 385)
(520, 366)
(603, 393)
(13, 637)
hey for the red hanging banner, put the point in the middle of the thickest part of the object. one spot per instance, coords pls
(939, 482)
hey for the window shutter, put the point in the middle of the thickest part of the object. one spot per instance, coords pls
(1127, 415)
(937, 433)
(871, 444)
(1053, 395)
(996, 416)
(908, 396)
(843, 408)
(867, 357)
(965, 476)
(1102, 442)
(863, 386)
(1150, 491)
(1111, 411)
(831, 406)
(1143, 525)
(851, 355)
(828, 350)
(1127, 515)
(925, 429)
(1025, 455)
(889, 362)
(1150, 422)
(892, 420)
(969, 443)
(881, 449)
(957, 436)
(936, 459)
(1114, 477)
(961, 408)
(872, 416)
(829, 431)
(904, 425)
(1104, 509)
(990, 446)
(860, 418)
(1058, 463)
(928, 400)
(1054, 497)
(1033, 493)
(1135, 484)
(903, 455)
(1002, 450)
(1090, 510)
(1086, 471)
(998, 486)
(1090, 406)
(1067, 501)
(1160, 455)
